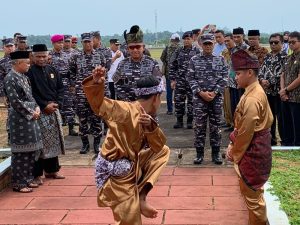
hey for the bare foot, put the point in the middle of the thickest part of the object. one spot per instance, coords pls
(147, 210)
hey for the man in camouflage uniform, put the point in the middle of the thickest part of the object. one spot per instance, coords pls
(97, 45)
(60, 61)
(166, 58)
(207, 78)
(67, 48)
(22, 43)
(178, 72)
(80, 67)
(131, 69)
(290, 92)
(74, 44)
(255, 48)
(5, 63)
(5, 67)
(269, 78)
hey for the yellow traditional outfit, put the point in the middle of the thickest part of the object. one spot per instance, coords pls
(126, 139)
(251, 151)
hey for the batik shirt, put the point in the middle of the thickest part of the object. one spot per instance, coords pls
(291, 72)
(271, 70)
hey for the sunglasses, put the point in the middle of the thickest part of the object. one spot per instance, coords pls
(274, 42)
(292, 42)
(207, 43)
(132, 47)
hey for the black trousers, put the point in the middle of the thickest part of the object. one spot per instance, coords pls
(275, 105)
(235, 95)
(291, 123)
(50, 165)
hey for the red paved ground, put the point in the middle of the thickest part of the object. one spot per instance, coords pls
(182, 196)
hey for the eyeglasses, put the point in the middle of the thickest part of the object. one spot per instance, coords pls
(274, 42)
(132, 47)
(292, 42)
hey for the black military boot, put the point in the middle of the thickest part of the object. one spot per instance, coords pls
(97, 144)
(179, 123)
(200, 155)
(72, 132)
(189, 122)
(216, 155)
(85, 145)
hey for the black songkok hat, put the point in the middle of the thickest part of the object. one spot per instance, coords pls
(39, 48)
(19, 55)
(135, 35)
(242, 59)
(187, 34)
(253, 33)
(238, 30)
(196, 31)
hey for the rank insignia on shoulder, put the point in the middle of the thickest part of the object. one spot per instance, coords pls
(51, 75)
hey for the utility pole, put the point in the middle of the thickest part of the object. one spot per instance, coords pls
(155, 15)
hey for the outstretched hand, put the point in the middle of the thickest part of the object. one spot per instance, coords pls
(99, 74)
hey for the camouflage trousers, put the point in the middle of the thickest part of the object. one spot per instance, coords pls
(89, 122)
(67, 112)
(213, 111)
(183, 91)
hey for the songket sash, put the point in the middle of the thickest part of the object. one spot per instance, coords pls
(255, 166)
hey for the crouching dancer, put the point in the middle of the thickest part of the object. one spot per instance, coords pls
(134, 153)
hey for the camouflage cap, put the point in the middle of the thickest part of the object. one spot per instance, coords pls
(22, 38)
(8, 42)
(207, 38)
(135, 35)
(67, 37)
(86, 36)
(187, 34)
(96, 33)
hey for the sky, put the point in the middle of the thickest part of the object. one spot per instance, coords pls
(43, 17)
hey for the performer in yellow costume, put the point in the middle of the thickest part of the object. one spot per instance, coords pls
(250, 149)
(134, 153)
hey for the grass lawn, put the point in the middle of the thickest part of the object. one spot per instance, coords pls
(156, 53)
(285, 178)
(1, 54)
